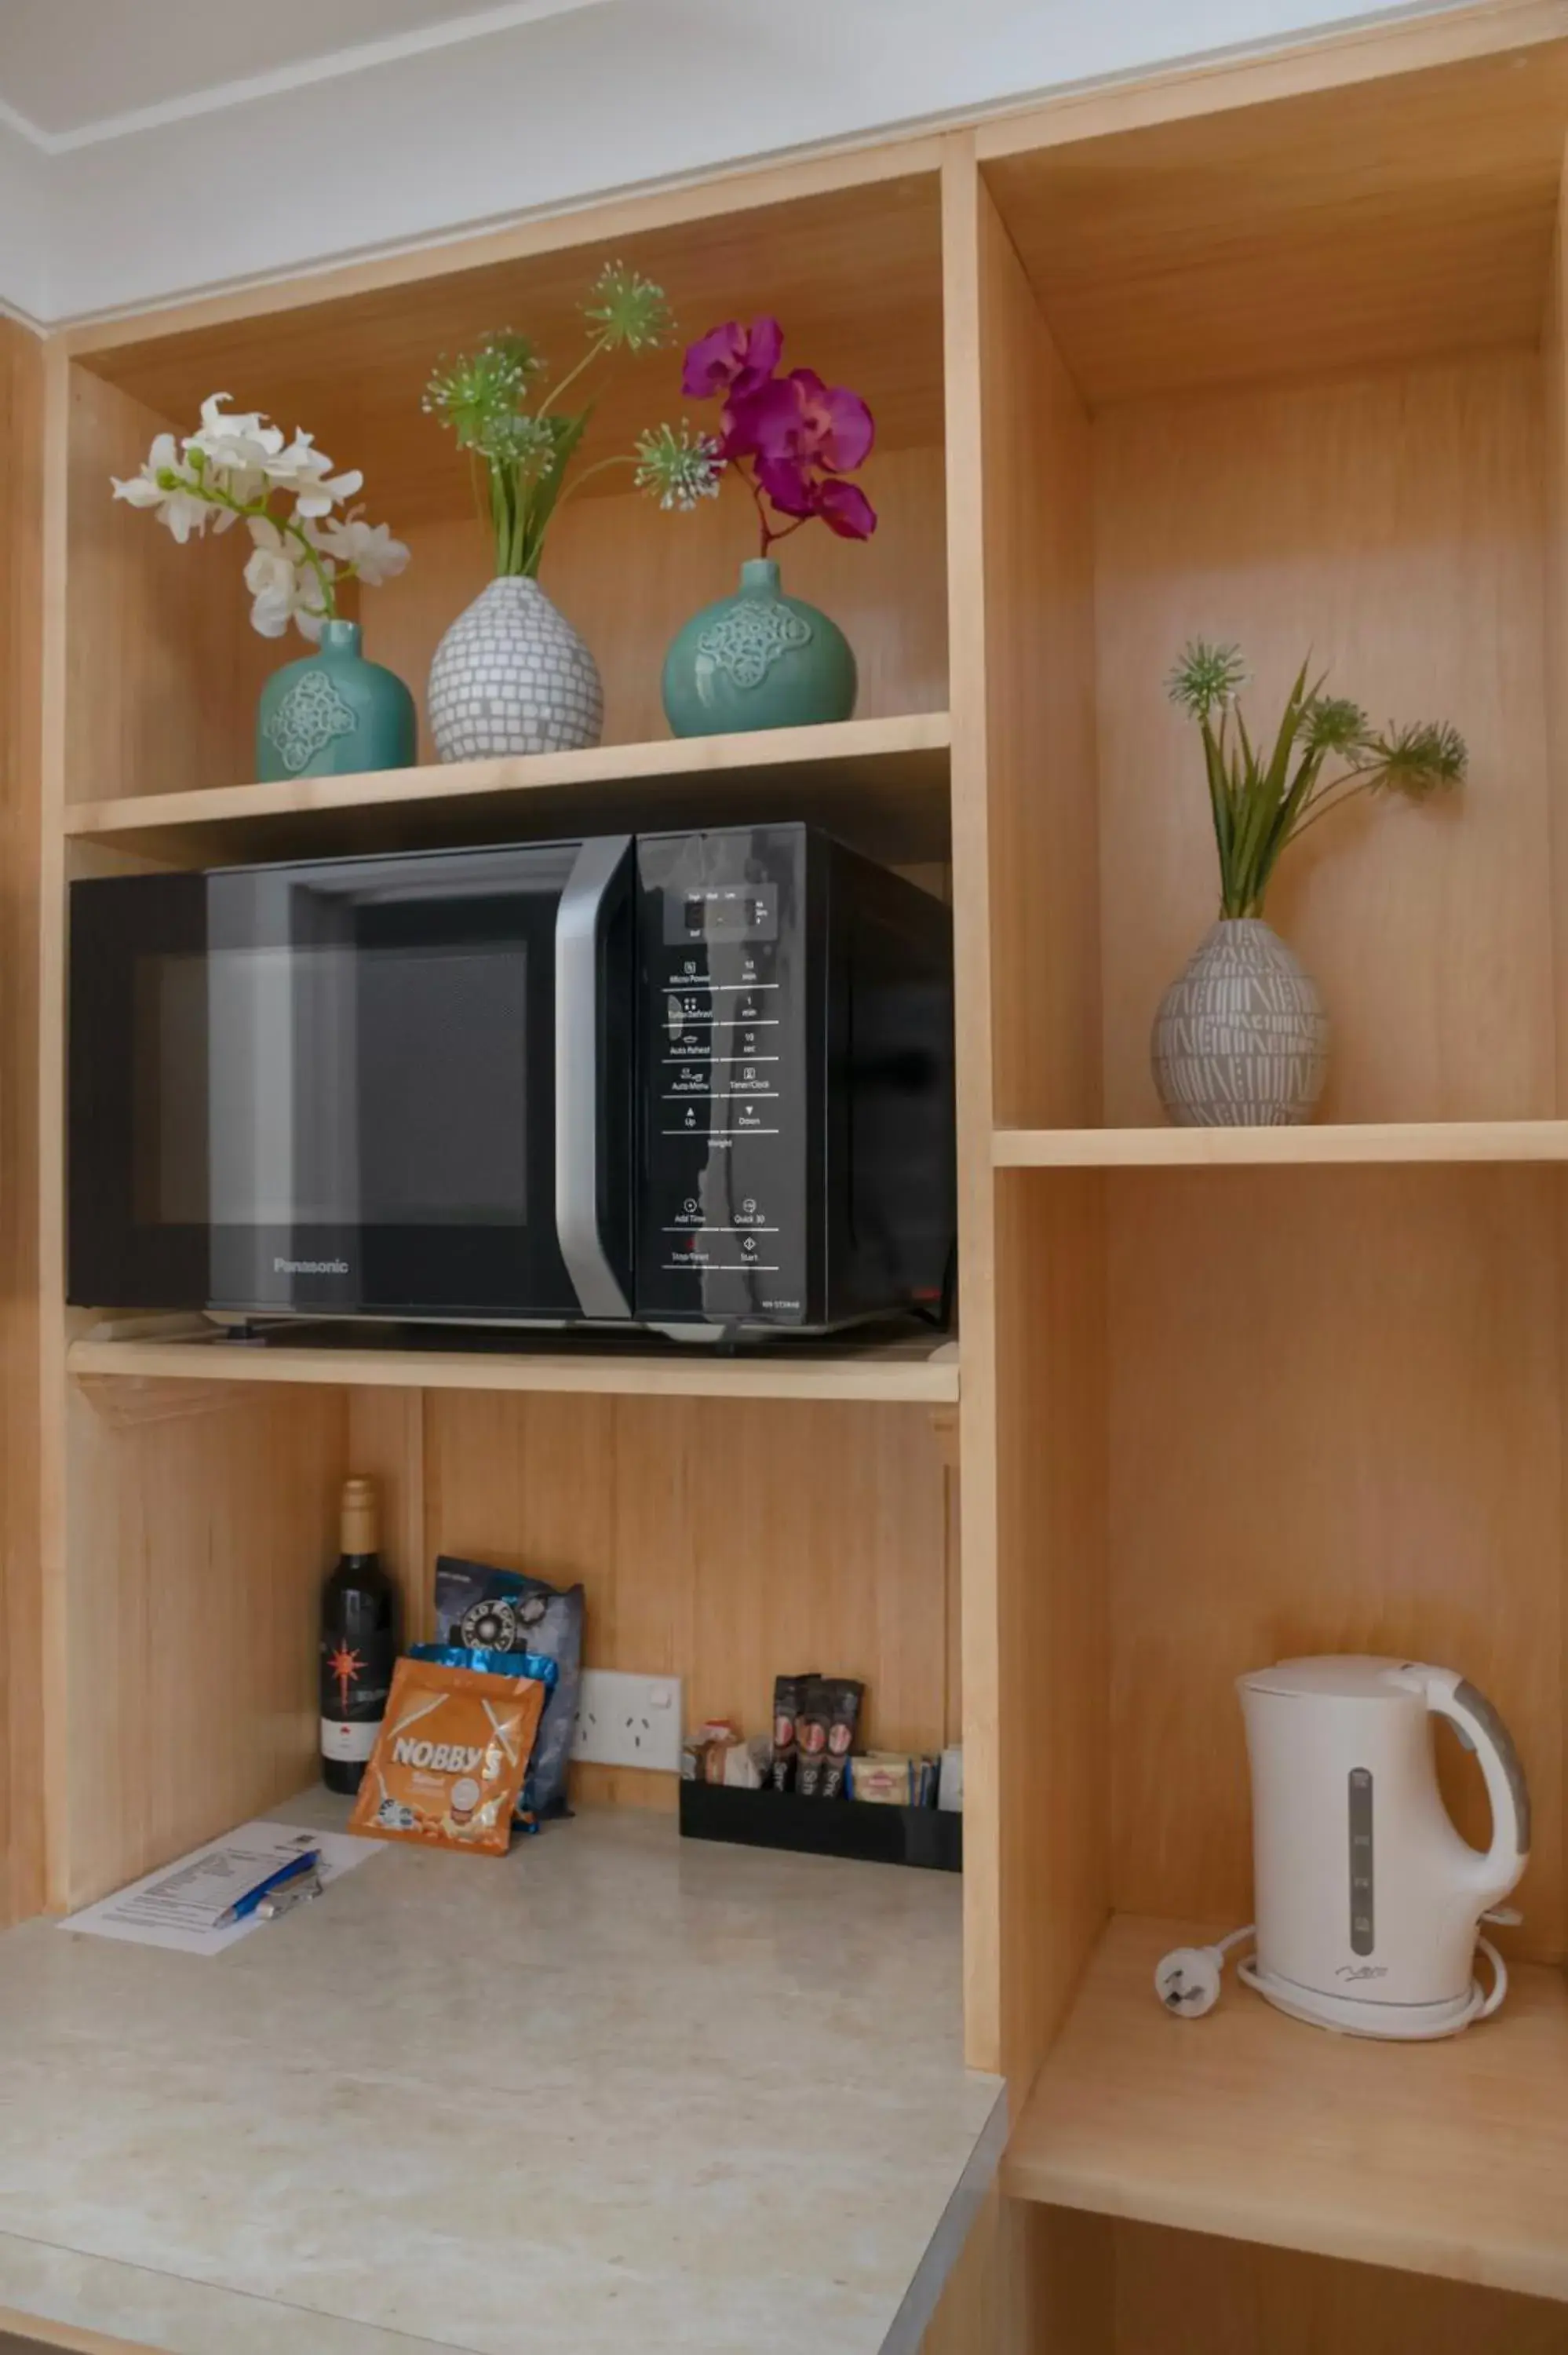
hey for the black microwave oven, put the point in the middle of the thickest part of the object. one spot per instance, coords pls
(687, 1081)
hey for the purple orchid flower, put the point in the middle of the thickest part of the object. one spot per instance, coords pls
(732, 360)
(790, 438)
(844, 508)
(797, 416)
(787, 485)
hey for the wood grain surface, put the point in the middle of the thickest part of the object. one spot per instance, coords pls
(1444, 2158)
(845, 252)
(1363, 223)
(1335, 1425)
(721, 1542)
(1391, 526)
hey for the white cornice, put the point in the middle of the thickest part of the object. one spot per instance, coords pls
(477, 25)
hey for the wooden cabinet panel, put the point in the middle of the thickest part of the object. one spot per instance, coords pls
(21, 1712)
(721, 1542)
(1390, 527)
(1335, 1425)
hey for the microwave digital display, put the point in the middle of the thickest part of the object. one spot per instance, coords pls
(722, 911)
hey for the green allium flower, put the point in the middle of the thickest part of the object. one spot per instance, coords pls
(1206, 675)
(479, 395)
(526, 444)
(629, 311)
(678, 468)
(1331, 723)
(1423, 757)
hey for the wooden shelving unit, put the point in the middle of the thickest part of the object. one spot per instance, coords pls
(884, 780)
(1235, 1395)
(918, 1373)
(1441, 2159)
(1332, 1146)
(724, 1514)
(1274, 352)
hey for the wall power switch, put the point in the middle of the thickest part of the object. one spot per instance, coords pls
(626, 1721)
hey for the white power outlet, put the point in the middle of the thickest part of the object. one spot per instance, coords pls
(626, 1720)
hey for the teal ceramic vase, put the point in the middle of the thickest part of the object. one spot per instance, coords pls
(758, 660)
(333, 713)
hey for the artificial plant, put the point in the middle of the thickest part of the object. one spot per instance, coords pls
(1262, 797)
(521, 440)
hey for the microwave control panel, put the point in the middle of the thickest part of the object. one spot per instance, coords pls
(723, 1085)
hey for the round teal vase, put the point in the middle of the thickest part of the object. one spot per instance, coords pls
(333, 713)
(758, 660)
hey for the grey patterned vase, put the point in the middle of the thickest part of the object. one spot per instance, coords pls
(513, 676)
(1241, 1039)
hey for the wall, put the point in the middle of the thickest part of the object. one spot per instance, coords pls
(24, 258)
(540, 115)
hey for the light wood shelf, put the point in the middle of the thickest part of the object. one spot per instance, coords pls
(1446, 2158)
(1333, 1144)
(918, 1373)
(885, 778)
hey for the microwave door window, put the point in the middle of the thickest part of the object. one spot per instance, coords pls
(379, 1080)
(441, 1105)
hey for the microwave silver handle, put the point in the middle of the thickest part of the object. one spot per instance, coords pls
(577, 965)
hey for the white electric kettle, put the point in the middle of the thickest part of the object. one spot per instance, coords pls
(1368, 1901)
(1367, 1898)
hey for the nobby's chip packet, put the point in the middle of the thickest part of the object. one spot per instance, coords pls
(504, 1664)
(449, 1758)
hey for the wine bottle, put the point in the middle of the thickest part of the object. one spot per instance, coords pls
(359, 1644)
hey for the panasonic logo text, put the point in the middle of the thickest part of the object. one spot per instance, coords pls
(445, 1757)
(309, 1267)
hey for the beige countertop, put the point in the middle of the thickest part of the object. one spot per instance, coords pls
(615, 2092)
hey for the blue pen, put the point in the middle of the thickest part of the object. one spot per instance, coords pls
(306, 1861)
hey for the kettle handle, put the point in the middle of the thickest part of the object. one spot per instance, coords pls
(1480, 1728)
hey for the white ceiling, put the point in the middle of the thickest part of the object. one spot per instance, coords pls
(75, 72)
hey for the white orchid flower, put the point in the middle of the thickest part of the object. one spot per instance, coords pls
(307, 472)
(231, 453)
(273, 582)
(250, 427)
(323, 495)
(167, 487)
(286, 585)
(368, 550)
(230, 467)
(311, 605)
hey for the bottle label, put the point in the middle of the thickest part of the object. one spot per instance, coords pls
(349, 1745)
(356, 1677)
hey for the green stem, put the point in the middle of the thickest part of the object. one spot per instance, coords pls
(1331, 799)
(216, 496)
(326, 580)
(571, 375)
(587, 475)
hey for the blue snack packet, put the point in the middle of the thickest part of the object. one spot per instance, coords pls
(503, 1664)
(503, 1612)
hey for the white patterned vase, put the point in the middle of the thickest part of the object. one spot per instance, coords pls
(1241, 1039)
(513, 676)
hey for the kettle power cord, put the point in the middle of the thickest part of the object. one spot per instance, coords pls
(1187, 1979)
